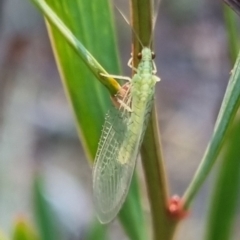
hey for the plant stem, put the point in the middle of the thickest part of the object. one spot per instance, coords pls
(152, 159)
(155, 176)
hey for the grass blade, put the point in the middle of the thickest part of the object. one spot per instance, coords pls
(44, 214)
(226, 193)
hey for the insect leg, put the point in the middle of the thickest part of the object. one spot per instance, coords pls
(154, 68)
(116, 77)
(123, 99)
(154, 71)
(157, 79)
(124, 105)
(131, 66)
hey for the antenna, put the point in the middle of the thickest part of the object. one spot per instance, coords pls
(156, 15)
(126, 20)
(153, 25)
(154, 20)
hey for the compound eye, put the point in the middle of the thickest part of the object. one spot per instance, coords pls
(153, 55)
(139, 56)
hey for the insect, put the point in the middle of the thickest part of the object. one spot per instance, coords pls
(121, 138)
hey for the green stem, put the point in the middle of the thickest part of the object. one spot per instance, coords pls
(155, 176)
(152, 159)
(110, 83)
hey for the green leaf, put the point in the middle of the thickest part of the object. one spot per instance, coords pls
(78, 47)
(226, 191)
(24, 231)
(87, 96)
(131, 214)
(91, 23)
(226, 195)
(96, 231)
(44, 214)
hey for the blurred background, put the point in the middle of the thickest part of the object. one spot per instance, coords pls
(37, 131)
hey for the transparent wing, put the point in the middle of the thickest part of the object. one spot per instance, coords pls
(115, 161)
(111, 178)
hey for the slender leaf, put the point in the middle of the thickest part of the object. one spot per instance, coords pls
(135, 218)
(226, 193)
(88, 98)
(48, 228)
